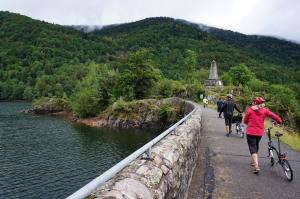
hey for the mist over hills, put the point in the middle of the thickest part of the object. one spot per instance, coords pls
(85, 28)
(284, 52)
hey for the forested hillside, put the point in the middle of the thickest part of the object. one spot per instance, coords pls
(267, 49)
(154, 57)
(277, 51)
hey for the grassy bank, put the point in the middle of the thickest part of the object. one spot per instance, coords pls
(289, 137)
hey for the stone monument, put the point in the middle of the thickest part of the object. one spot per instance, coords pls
(213, 76)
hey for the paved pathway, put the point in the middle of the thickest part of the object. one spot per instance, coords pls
(223, 169)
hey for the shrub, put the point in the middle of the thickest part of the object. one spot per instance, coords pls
(85, 103)
(164, 111)
(119, 106)
(168, 88)
(50, 104)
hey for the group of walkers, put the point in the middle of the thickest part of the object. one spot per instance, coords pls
(253, 118)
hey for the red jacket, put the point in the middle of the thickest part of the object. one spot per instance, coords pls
(255, 118)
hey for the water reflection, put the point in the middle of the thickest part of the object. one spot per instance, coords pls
(48, 157)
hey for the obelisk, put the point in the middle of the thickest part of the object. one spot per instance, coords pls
(213, 76)
(213, 73)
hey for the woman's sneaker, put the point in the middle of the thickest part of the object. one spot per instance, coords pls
(256, 170)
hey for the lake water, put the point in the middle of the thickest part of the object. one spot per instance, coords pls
(49, 157)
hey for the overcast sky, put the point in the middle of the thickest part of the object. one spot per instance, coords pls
(267, 17)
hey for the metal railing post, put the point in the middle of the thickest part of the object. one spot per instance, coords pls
(148, 152)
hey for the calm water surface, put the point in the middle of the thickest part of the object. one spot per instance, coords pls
(49, 157)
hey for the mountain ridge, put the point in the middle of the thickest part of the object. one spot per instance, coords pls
(204, 27)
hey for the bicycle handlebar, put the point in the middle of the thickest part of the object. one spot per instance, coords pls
(269, 128)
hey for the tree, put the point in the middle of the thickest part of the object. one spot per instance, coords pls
(94, 92)
(240, 75)
(44, 86)
(189, 63)
(257, 85)
(28, 94)
(138, 76)
(85, 102)
(282, 99)
(227, 79)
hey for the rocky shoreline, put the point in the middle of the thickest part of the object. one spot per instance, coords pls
(144, 117)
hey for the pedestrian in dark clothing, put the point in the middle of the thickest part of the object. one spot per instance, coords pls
(220, 103)
(228, 108)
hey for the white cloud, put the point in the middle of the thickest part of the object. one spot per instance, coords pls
(269, 17)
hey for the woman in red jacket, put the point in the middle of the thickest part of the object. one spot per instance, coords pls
(254, 118)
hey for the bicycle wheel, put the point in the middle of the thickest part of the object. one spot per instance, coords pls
(237, 129)
(287, 170)
(272, 161)
(242, 131)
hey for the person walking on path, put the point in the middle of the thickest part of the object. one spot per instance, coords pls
(205, 102)
(228, 108)
(254, 118)
(220, 103)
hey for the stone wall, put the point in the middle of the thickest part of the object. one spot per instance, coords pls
(167, 175)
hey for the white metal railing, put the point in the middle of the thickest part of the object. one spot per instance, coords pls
(107, 175)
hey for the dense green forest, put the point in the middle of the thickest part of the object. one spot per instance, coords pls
(154, 57)
(271, 51)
